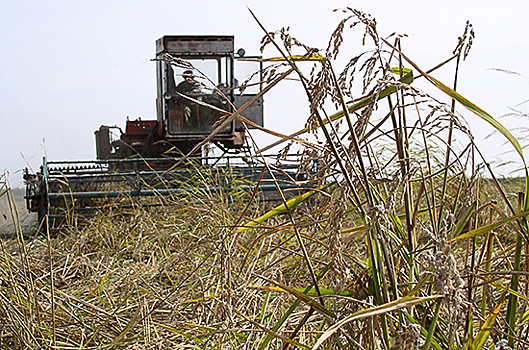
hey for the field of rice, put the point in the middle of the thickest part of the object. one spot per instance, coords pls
(404, 239)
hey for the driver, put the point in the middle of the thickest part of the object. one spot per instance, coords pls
(189, 84)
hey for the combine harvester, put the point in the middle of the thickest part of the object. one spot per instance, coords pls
(196, 90)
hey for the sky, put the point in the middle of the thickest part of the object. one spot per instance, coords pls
(70, 66)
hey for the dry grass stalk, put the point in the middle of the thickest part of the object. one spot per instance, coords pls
(396, 254)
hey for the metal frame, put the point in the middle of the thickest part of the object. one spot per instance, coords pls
(192, 47)
(60, 181)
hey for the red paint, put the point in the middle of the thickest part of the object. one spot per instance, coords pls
(139, 127)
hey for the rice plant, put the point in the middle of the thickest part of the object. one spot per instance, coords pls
(403, 239)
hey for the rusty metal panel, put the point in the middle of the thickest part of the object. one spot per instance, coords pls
(254, 112)
(195, 44)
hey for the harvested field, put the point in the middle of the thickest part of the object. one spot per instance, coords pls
(407, 239)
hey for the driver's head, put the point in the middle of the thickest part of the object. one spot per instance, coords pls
(188, 76)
